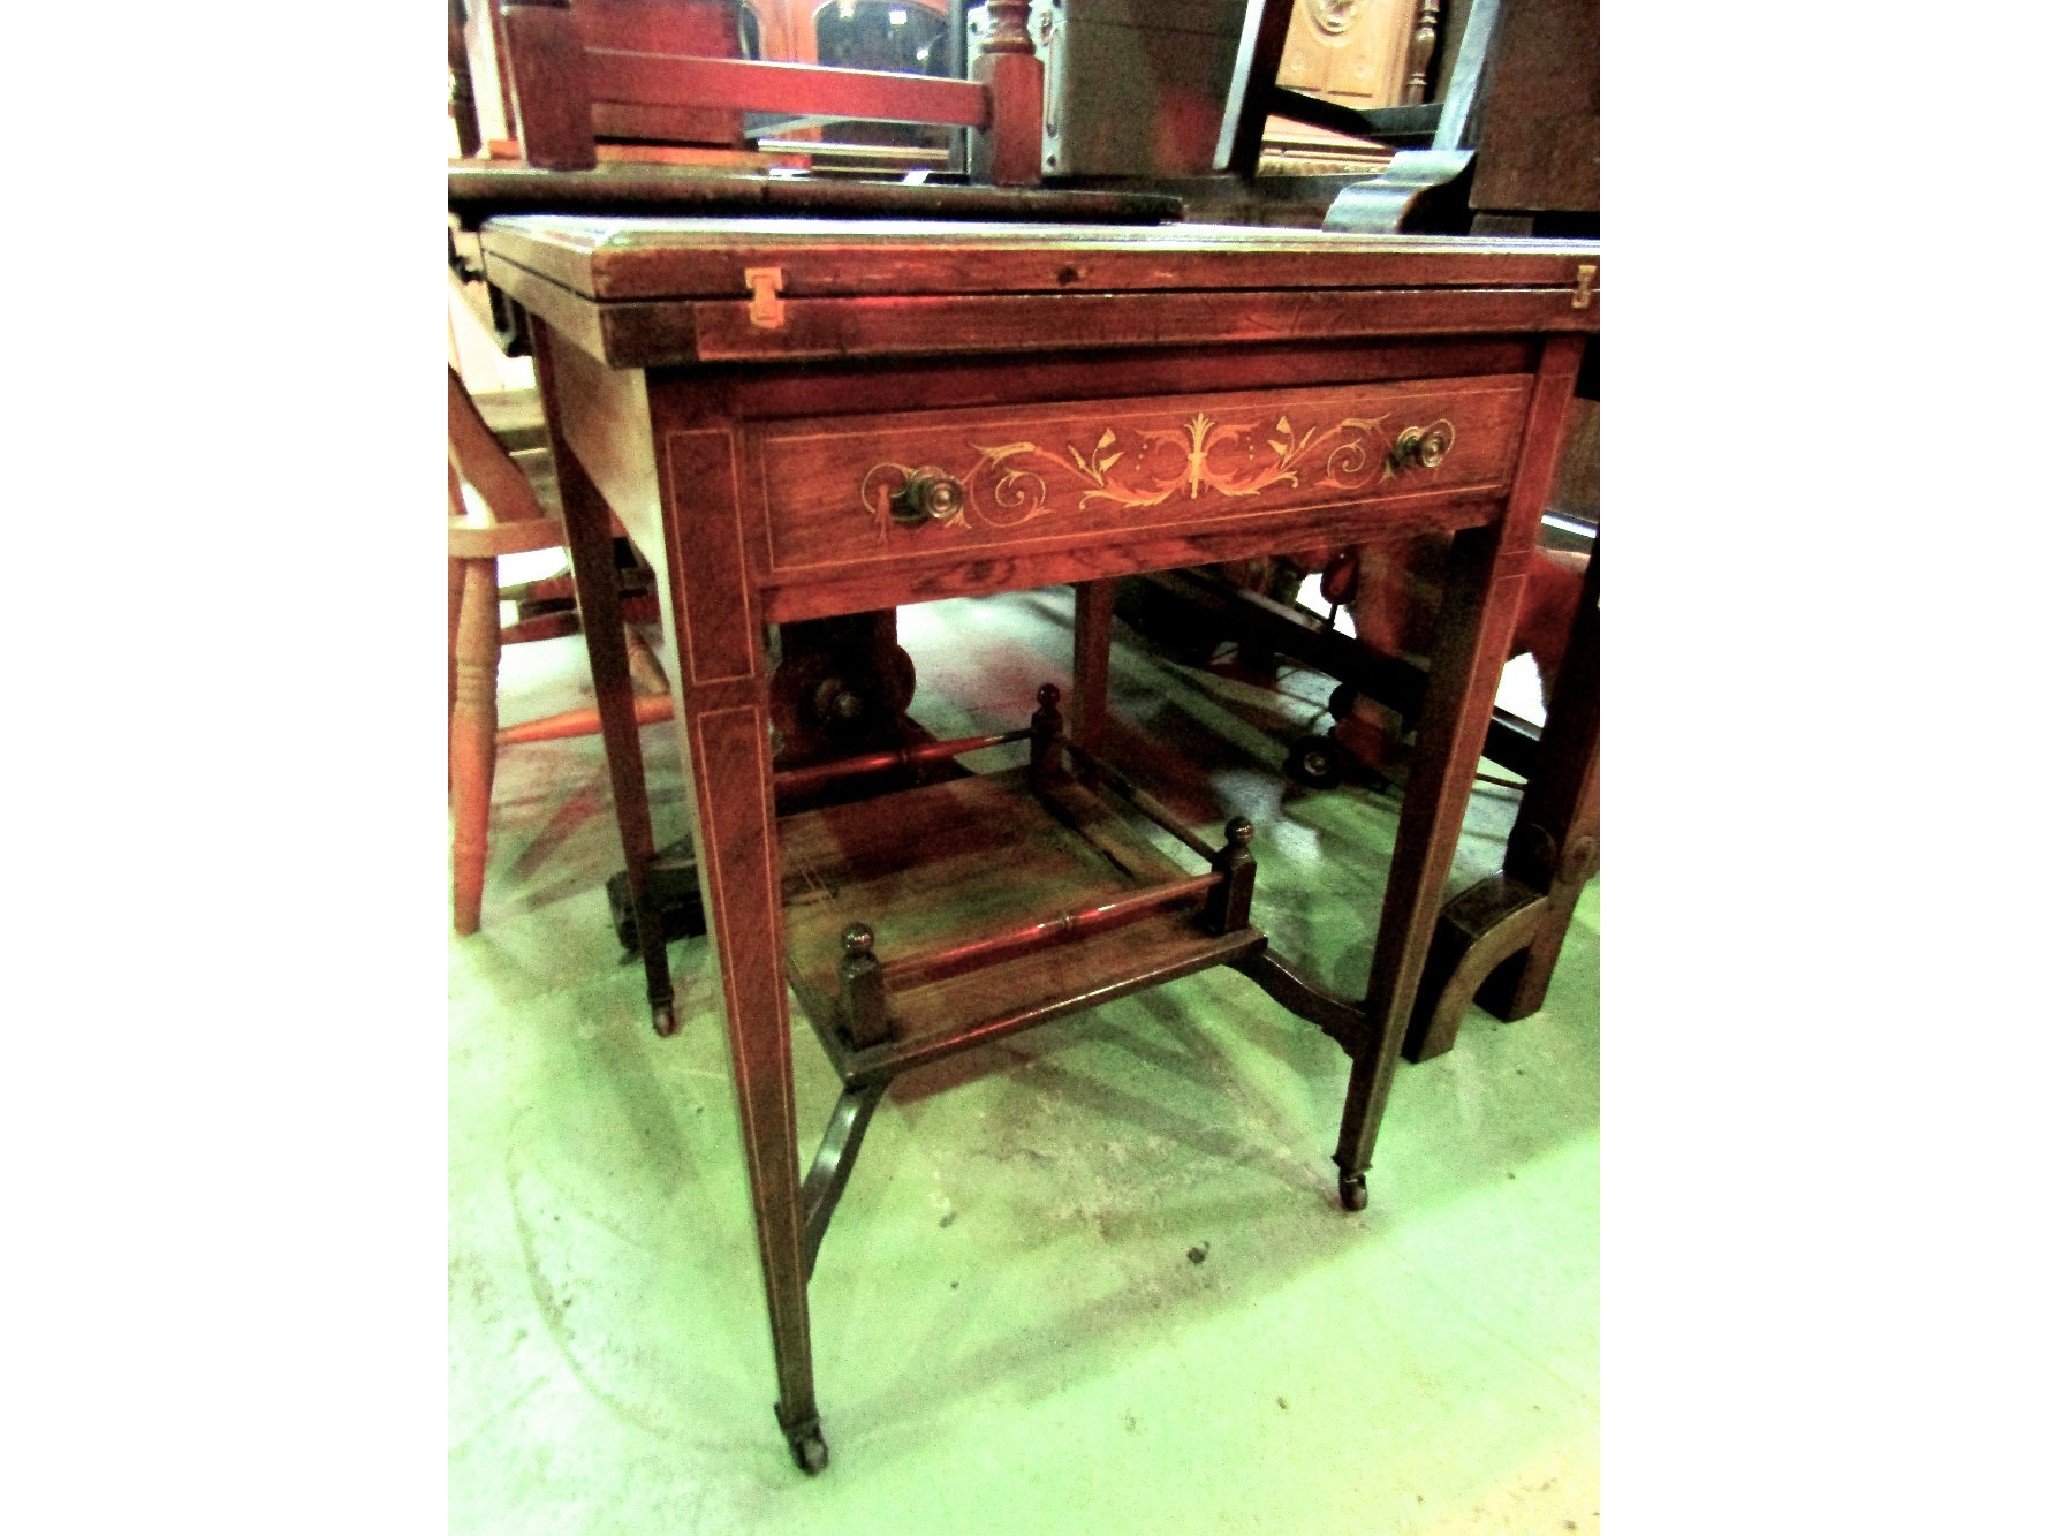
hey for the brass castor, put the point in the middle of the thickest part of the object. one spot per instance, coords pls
(665, 1018)
(1316, 762)
(1351, 1190)
(809, 1450)
(806, 1443)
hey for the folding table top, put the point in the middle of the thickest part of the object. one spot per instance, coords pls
(644, 291)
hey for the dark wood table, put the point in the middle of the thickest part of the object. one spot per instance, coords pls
(803, 419)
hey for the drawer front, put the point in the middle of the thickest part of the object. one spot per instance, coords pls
(945, 483)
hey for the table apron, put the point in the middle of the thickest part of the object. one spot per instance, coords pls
(859, 588)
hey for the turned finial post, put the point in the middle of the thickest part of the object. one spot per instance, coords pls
(1420, 51)
(1008, 151)
(1047, 726)
(1230, 903)
(863, 1005)
(1008, 29)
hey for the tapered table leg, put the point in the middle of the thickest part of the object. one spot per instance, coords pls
(1474, 628)
(587, 521)
(723, 683)
(737, 865)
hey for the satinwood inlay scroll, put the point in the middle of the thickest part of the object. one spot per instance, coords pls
(1010, 484)
(912, 484)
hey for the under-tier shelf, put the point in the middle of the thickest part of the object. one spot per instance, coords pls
(994, 906)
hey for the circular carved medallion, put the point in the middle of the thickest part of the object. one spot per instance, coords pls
(1333, 16)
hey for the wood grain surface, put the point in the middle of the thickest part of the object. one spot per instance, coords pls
(1073, 405)
(1101, 471)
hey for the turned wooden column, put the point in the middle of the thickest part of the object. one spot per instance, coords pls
(1009, 152)
(472, 723)
(1421, 49)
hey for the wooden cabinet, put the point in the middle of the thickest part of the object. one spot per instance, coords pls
(1353, 51)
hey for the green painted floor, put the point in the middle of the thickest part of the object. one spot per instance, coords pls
(1094, 1278)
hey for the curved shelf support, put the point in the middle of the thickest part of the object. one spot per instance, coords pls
(1477, 930)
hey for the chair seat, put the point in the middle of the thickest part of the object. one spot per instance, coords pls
(481, 535)
(538, 465)
(473, 538)
(514, 417)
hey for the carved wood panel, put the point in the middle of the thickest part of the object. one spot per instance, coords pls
(1352, 51)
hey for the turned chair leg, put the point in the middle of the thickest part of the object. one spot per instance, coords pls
(644, 667)
(473, 735)
(455, 509)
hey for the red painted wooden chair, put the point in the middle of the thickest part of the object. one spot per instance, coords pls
(499, 451)
(646, 72)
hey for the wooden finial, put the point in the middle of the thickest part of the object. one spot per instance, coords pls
(1046, 729)
(1420, 52)
(1007, 29)
(1008, 150)
(1230, 903)
(863, 1004)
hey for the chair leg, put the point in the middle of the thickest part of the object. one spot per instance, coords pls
(455, 581)
(649, 681)
(455, 509)
(473, 736)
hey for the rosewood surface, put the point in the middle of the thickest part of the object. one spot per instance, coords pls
(941, 410)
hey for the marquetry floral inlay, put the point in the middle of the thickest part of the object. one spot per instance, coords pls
(1132, 468)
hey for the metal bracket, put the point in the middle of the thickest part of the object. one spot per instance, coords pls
(764, 287)
(1582, 295)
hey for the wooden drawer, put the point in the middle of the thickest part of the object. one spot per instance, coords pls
(945, 483)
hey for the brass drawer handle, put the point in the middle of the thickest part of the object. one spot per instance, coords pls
(1423, 446)
(928, 495)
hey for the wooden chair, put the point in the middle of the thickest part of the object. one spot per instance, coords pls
(1256, 94)
(1513, 150)
(499, 449)
(904, 37)
(1508, 148)
(605, 71)
(1513, 146)
(514, 521)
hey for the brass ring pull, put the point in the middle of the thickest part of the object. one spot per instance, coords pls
(928, 495)
(1424, 446)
